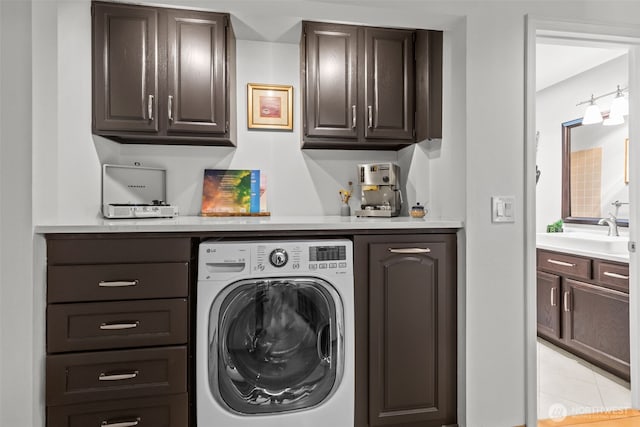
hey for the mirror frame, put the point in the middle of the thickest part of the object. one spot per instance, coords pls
(566, 177)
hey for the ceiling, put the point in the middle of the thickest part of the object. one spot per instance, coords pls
(557, 62)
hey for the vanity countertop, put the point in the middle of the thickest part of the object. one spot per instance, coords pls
(272, 223)
(585, 244)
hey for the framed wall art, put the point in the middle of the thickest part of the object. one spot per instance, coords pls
(269, 106)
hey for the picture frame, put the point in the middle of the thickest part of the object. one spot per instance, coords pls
(269, 106)
(626, 160)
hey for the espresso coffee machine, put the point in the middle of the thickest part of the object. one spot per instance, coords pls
(380, 186)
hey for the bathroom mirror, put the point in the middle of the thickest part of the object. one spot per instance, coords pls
(593, 172)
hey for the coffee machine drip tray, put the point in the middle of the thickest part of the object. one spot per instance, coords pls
(376, 211)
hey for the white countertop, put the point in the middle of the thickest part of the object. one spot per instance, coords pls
(272, 223)
(589, 244)
(591, 254)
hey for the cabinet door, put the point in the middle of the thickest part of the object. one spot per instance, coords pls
(196, 79)
(597, 324)
(389, 91)
(125, 84)
(412, 332)
(548, 302)
(331, 93)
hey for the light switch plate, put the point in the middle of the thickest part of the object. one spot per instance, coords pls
(503, 208)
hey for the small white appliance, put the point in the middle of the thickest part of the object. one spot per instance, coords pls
(135, 192)
(275, 334)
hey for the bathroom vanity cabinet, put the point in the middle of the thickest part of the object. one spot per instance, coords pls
(405, 330)
(583, 307)
(163, 75)
(369, 88)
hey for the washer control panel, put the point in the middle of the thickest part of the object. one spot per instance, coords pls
(327, 257)
(221, 259)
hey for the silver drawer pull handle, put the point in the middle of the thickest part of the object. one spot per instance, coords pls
(114, 326)
(566, 301)
(170, 107)
(353, 116)
(410, 251)
(615, 275)
(118, 376)
(370, 109)
(562, 263)
(121, 423)
(118, 283)
(554, 292)
(150, 107)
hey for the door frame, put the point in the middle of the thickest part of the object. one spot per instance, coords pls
(626, 36)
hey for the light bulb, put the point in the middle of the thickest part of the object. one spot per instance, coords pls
(613, 120)
(592, 114)
(619, 106)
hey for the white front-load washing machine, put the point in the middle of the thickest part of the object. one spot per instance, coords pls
(275, 334)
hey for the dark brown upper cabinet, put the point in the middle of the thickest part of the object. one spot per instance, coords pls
(331, 96)
(163, 76)
(389, 84)
(370, 88)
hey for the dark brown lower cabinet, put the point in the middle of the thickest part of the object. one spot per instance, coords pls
(548, 305)
(583, 307)
(405, 330)
(118, 333)
(597, 324)
(158, 411)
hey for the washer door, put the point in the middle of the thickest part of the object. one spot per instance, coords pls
(279, 344)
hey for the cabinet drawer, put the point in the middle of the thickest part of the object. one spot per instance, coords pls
(117, 250)
(112, 325)
(567, 265)
(75, 283)
(615, 276)
(108, 375)
(161, 411)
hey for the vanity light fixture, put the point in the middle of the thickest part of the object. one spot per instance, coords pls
(613, 120)
(619, 109)
(592, 114)
(619, 105)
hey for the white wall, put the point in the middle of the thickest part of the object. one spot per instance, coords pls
(67, 175)
(298, 182)
(481, 155)
(1, 209)
(16, 284)
(557, 104)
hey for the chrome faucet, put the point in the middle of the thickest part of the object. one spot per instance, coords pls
(611, 222)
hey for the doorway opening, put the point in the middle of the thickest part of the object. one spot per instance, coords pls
(575, 365)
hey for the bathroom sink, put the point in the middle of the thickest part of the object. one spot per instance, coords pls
(592, 242)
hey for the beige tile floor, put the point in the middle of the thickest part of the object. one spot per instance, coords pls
(568, 383)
